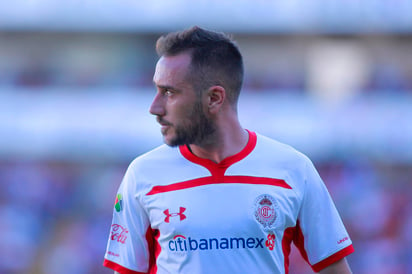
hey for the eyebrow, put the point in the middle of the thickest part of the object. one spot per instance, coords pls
(166, 87)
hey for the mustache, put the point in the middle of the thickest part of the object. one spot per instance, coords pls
(162, 121)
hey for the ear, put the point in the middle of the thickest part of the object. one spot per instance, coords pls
(216, 98)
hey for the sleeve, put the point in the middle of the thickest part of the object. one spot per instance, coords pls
(321, 236)
(127, 248)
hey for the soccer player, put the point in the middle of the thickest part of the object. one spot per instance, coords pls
(217, 198)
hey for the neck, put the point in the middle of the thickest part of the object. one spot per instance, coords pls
(225, 142)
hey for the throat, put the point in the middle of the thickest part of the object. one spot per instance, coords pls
(206, 153)
(218, 151)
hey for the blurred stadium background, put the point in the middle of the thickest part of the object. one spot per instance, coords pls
(332, 78)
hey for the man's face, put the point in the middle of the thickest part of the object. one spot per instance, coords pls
(178, 108)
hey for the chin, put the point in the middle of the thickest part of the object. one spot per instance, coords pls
(169, 140)
(171, 144)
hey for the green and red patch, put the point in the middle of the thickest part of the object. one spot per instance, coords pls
(118, 202)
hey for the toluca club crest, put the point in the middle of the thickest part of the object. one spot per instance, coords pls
(265, 210)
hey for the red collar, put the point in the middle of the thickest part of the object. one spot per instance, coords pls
(220, 168)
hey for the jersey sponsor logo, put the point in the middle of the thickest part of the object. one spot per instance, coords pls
(119, 233)
(265, 210)
(343, 240)
(113, 254)
(270, 242)
(118, 203)
(181, 243)
(176, 214)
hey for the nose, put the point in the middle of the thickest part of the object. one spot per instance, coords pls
(157, 106)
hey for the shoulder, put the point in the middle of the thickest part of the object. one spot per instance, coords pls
(148, 168)
(159, 156)
(283, 158)
(286, 162)
(274, 150)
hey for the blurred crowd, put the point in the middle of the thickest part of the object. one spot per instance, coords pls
(92, 60)
(55, 215)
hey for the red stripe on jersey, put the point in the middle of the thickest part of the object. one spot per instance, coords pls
(286, 248)
(121, 269)
(333, 258)
(293, 234)
(152, 236)
(299, 241)
(211, 180)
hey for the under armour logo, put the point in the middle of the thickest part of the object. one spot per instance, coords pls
(180, 214)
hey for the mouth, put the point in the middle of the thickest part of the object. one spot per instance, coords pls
(163, 124)
(164, 128)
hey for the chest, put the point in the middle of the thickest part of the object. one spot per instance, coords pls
(222, 210)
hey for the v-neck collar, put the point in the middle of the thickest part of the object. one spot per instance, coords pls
(219, 169)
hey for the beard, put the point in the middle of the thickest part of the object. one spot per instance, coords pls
(195, 130)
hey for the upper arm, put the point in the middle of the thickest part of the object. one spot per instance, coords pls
(339, 267)
(322, 229)
(128, 245)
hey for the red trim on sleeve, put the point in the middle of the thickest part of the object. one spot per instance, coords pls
(333, 258)
(119, 268)
(295, 234)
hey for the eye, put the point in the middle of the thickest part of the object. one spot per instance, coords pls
(168, 92)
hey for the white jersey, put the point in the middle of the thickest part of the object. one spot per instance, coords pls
(178, 213)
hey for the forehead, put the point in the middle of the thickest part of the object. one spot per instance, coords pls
(172, 69)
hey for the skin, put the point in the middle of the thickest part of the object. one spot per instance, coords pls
(340, 267)
(179, 110)
(174, 105)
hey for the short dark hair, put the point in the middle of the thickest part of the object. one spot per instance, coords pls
(216, 59)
